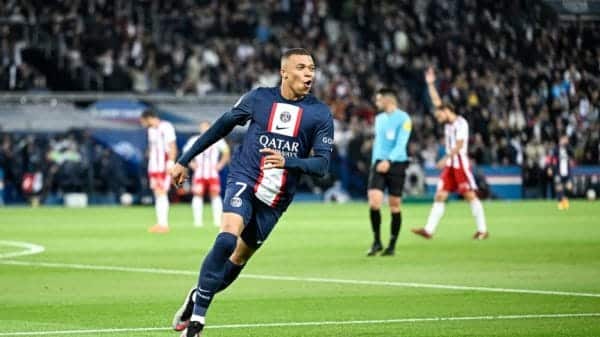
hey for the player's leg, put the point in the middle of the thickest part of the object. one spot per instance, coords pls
(375, 196)
(198, 202)
(395, 183)
(216, 270)
(558, 190)
(236, 262)
(238, 211)
(160, 187)
(446, 184)
(478, 213)
(568, 191)
(436, 212)
(467, 187)
(375, 200)
(395, 203)
(215, 201)
(562, 185)
(255, 233)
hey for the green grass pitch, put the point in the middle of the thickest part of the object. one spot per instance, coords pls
(101, 270)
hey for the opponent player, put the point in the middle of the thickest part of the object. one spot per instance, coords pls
(389, 163)
(559, 167)
(456, 172)
(162, 152)
(206, 168)
(286, 122)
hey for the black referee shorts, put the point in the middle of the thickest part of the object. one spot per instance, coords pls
(393, 179)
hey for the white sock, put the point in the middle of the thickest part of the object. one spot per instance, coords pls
(437, 211)
(198, 318)
(477, 211)
(197, 208)
(217, 210)
(162, 210)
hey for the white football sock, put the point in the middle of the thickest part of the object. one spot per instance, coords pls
(197, 208)
(198, 318)
(217, 210)
(477, 211)
(437, 211)
(162, 210)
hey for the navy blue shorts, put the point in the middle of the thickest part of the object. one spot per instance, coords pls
(259, 218)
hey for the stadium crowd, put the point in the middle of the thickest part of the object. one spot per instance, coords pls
(520, 76)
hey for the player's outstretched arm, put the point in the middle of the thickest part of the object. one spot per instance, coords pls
(433, 93)
(221, 128)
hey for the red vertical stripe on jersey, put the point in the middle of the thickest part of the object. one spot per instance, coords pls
(467, 172)
(298, 120)
(272, 116)
(278, 196)
(261, 174)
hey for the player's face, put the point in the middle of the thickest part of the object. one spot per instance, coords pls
(144, 122)
(441, 115)
(380, 102)
(149, 122)
(298, 73)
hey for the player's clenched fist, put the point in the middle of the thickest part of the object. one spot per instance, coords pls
(179, 174)
(273, 158)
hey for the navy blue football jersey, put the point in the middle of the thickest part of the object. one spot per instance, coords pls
(294, 128)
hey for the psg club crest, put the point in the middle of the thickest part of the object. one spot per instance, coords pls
(285, 116)
(236, 202)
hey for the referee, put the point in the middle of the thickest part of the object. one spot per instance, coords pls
(388, 169)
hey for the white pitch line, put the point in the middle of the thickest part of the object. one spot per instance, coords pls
(316, 323)
(304, 279)
(29, 249)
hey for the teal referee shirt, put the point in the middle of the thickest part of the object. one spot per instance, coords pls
(392, 131)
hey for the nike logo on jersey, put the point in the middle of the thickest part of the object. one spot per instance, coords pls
(281, 128)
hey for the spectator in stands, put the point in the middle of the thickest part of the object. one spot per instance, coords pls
(513, 71)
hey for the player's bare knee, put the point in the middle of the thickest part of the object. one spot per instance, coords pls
(470, 196)
(375, 205)
(395, 204)
(159, 192)
(232, 223)
(375, 199)
(441, 197)
(242, 253)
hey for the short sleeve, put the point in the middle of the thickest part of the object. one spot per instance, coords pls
(323, 142)
(169, 132)
(222, 146)
(189, 143)
(462, 130)
(407, 124)
(243, 108)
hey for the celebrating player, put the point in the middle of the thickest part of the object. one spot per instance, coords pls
(456, 172)
(389, 163)
(286, 122)
(206, 168)
(162, 152)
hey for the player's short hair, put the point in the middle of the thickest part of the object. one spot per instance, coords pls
(387, 92)
(295, 51)
(149, 113)
(446, 105)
